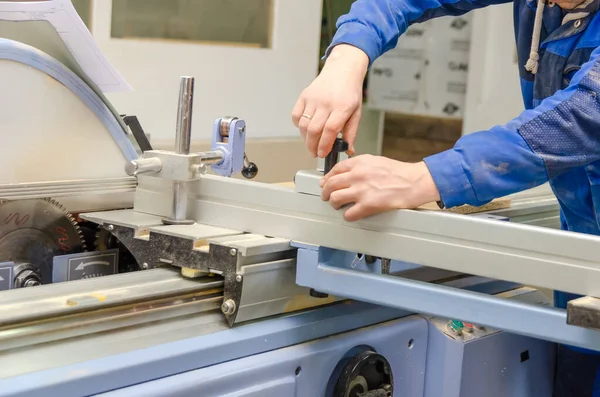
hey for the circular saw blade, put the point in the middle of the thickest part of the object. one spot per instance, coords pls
(35, 231)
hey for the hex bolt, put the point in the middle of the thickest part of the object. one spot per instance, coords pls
(228, 307)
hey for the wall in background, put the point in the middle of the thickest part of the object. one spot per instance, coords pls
(258, 80)
(493, 89)
(128, 20)
(493, 92)
(247, 23)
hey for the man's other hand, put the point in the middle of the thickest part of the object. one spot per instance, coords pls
(375, 184)
(332, 103)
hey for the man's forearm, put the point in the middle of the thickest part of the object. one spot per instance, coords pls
(375, 25)
(539, 145)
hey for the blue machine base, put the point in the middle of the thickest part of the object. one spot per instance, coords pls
(298, 356)
(425, 363)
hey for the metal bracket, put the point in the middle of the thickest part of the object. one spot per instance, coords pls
(323, 270)
(307, 182)
(180, 167)
(229, 137)
(247, 262)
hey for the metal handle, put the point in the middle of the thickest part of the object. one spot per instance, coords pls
(183, 132)
(339, 146)
(183, 137)
(151, 165)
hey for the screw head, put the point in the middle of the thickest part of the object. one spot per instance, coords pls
(110, 228)
(233, 252)
(228, 307)
(145, 266)
(201, 169)
(238, 278)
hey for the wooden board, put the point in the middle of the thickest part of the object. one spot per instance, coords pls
(497, 204)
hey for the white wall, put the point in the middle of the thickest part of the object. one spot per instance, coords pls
(258, 85)
(493, 90)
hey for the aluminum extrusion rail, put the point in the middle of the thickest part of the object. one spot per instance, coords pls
(530, 255)
(133, 290)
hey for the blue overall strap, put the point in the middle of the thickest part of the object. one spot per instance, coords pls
(375, 25)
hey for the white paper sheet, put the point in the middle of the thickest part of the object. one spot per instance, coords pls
(64, 18)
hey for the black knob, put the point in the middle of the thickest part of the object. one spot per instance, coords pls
(316, 294)
(250, 171)
(339, 146)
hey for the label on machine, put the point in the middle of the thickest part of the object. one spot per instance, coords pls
(85, 265)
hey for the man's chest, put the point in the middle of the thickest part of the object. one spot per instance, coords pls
(567, 40)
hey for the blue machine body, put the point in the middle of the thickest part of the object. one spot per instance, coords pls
(299, 355)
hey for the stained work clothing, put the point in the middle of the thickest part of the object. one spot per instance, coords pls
(556, 139)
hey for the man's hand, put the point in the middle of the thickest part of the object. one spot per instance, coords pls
(377, 184)
(332, 103)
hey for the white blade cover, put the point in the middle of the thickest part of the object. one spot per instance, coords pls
(53, 126)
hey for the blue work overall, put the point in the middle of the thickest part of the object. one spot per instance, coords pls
(556, 139)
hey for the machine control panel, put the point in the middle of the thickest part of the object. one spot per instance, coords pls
(463, 331)
(458, 328)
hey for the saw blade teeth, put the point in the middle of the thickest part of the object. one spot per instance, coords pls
(59, 211)
(71, 219)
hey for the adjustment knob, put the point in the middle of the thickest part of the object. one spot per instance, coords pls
(250, 171)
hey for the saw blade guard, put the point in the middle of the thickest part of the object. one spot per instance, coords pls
(63, 130)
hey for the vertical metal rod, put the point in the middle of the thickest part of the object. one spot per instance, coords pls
(183, 133)
(183, 137)
(179, 208)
